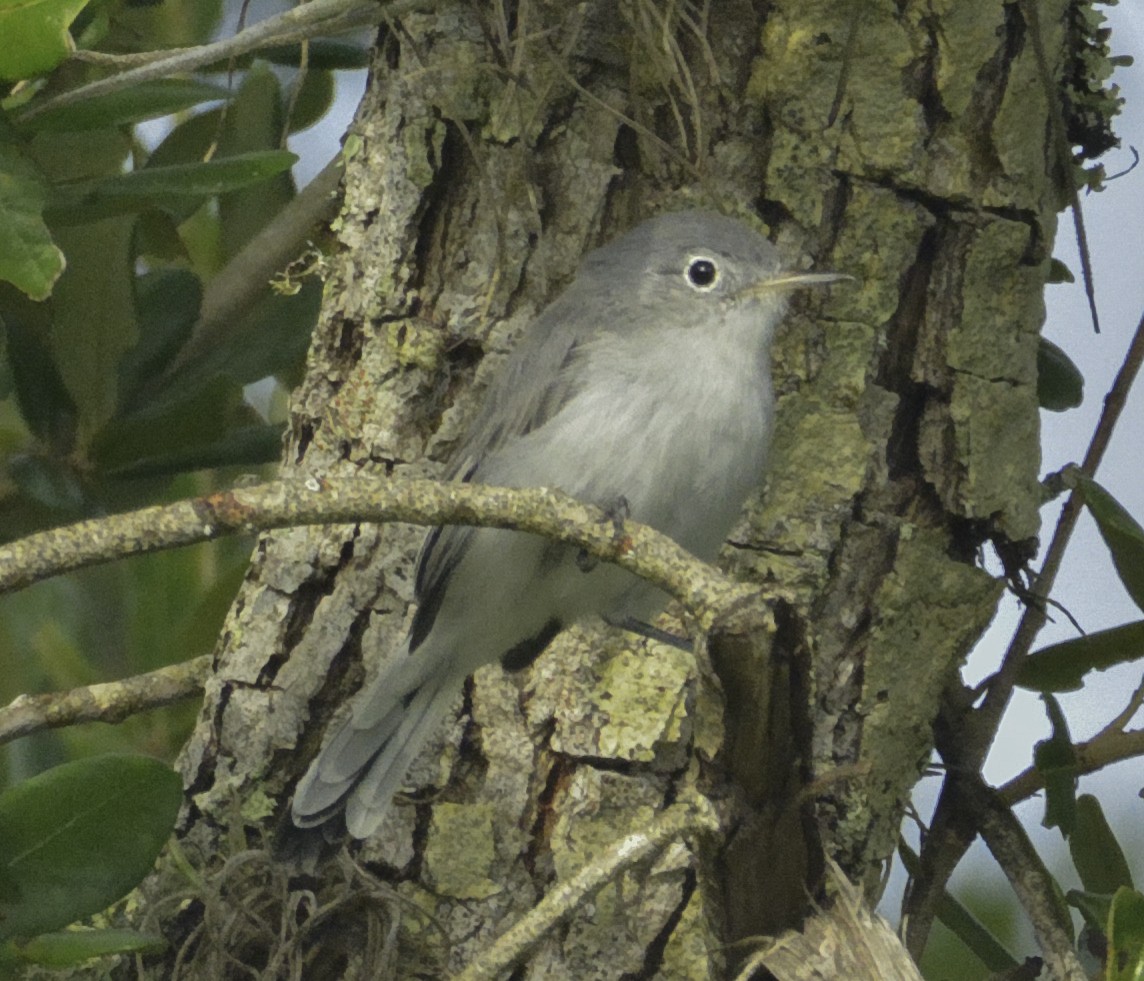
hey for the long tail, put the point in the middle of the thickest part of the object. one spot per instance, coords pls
(363, 765)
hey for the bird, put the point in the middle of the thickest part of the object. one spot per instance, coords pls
(644, 388)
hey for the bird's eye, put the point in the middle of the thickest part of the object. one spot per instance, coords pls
(702, 273)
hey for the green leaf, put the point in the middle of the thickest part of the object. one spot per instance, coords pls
(1060, 667)
(161, 186)
(157, 429)
(1059, 273)
(199, 179)
(253, 125)
(49, 481)
(93, 316)
(157, 239)
(167, 304)
(1121, 533)
(1096, 853)
(36, 37)
(975, 935)
(8, 434)
(145, 100)
(1055, 760)
(212, 427)
(165, 25)
(324, 54)
(271, 338)
(313, 100)
(245, 446)
(75, 839)
(1126, 936)
(1094, 908)
(67, 158)
(69, 947)
(1060, 385)
(29, 259)
(45, 404)
(189, 141)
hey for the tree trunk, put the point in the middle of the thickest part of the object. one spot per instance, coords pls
(904, 145)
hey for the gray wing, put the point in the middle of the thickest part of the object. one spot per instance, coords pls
(536, 382)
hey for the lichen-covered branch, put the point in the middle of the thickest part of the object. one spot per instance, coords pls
(680, 819)
(111, 701)
(246, 510)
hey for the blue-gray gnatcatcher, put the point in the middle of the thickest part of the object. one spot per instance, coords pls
(647, 386)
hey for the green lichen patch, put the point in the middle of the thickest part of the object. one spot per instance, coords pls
(460, 855)
(643, 697)
(819, 462)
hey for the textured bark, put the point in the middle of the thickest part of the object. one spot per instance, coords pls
(486, 158)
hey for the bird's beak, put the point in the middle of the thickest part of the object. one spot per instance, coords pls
(785, 280)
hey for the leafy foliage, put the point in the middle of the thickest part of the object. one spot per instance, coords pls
(124, 207)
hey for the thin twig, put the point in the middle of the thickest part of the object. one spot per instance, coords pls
(304, 21)
(1030, 880)
(1060, 143)
(112, 701)
(635, 126)
(131, 59)
(1125, 715)
(1110, 746)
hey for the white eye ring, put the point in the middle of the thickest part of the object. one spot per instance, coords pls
(702, 273)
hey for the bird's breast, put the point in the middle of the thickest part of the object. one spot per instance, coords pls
(686, 435)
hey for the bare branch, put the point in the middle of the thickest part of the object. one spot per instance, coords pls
(112, 701)
(1126, 714)
(1108, 747)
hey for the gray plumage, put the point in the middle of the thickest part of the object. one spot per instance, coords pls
(647, 380)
